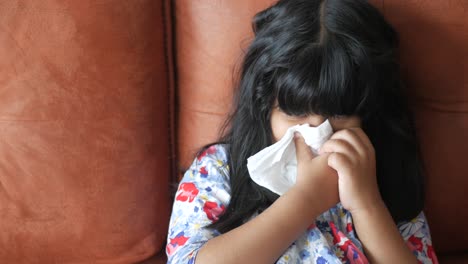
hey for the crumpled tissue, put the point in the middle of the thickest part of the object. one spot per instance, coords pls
(275, 167)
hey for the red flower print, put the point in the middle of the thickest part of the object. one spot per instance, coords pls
(353, 254)
(336, 234)
(203, 171)
(415, 243)
(187, 192)
(212, 210)
(210, 150)
(176, 242)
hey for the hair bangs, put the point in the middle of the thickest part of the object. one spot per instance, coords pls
(322, 81)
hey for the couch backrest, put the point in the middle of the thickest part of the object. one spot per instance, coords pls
(434, 54)
(210, 36)
(84, 116)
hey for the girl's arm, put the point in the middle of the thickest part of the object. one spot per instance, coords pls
(266, 237)
(380, 236)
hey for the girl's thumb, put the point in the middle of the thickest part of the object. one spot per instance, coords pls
(303, 151)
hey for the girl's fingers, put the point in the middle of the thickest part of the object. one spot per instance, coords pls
(303, 151)
(363, 137)
(351, 136)
(339, 162)
(340, 146)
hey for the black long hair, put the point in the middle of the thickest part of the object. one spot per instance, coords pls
(327, 57)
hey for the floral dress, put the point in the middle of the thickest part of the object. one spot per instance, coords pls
(204, 194)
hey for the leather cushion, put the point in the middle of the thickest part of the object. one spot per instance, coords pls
(84, 117)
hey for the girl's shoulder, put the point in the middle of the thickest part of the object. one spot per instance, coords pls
(217, 152)
(211, 164)
(208, 176)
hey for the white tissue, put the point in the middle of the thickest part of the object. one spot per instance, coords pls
(275, 167)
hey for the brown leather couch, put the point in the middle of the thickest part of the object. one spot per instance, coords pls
(103, 103)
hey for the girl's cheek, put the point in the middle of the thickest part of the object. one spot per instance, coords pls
(279, 132)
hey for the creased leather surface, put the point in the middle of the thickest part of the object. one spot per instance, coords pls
(434, 58)
(84, 148)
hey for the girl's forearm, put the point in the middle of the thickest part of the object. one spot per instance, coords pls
(380, 237)
(264, 238)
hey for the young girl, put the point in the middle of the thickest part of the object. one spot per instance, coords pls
(360, 200)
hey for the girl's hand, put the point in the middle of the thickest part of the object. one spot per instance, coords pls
(353, 157)
(316, 182)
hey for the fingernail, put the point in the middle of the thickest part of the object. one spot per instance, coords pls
(296, 134)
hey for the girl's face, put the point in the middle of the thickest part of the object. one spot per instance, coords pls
(280, 122)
